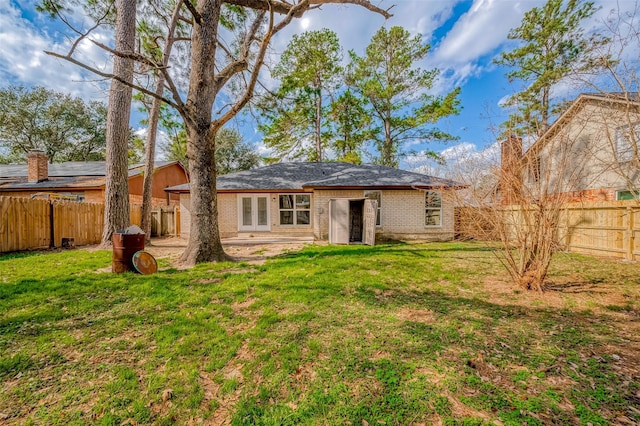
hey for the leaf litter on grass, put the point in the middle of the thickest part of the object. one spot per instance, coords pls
(316, 337)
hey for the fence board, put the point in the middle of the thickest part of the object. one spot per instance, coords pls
(25, 224)
(135, 214)
(81, 221)
(608, 228)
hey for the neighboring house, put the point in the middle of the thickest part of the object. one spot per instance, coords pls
(84, 181)
(589, 154)
(330, 201)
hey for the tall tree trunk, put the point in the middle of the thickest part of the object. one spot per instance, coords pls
(204, 237)
(319, 127)
(152, 131)
(544, 121)
(149, 164)
(116, 199)
(387, 148)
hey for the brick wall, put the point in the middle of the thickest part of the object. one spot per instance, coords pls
(37, 166)
(402, 216)
(185, 214)
(228, 215)
(601, 194)
(320, 208)
(155, 201)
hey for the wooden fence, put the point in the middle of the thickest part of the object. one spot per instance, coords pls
(27, 224)
(608, 228)
(165, 220)
(605, 228)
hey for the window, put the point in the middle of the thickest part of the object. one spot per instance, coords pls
(627, 142)
(627, 195)
(375, 195)
(433, 209)
(295, 209)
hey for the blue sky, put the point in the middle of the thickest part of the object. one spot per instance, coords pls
(465, 36)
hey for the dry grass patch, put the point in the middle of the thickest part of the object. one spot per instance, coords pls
(392, 334)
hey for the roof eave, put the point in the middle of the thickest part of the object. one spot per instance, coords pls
(386, 187)
(576, 105)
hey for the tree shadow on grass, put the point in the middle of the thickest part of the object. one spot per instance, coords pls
(490, 341)
(576, 288)
(418, 249)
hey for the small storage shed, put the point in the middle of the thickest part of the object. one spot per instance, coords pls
(352, 221)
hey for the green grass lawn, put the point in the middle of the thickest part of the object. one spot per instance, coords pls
(386, 335)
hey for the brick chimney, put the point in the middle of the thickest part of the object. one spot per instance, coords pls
(37, 166)
(510, 170)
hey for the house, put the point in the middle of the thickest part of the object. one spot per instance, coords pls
(85, 181)
(590, 153)
(330, 201)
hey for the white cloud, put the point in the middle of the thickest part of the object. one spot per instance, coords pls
(23, 61)
(355, 25)
(463, 162)
(476, 35)
(481, 30)
(263, 150)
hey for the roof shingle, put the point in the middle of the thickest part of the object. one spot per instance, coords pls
(297, 176)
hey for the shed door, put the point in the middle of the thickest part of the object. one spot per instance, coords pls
(369, 220)
(339, 221)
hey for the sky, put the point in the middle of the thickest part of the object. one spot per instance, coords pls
(465, 37)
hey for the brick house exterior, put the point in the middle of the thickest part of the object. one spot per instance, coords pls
(404, 212)
(597, 138)
(85, 180)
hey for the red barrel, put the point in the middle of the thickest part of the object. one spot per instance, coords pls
(124, 246)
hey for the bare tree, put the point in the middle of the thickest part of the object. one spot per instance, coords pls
(215, 64)
(154, 117)
(587, 154)
(523, 212)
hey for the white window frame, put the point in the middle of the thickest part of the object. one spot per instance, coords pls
(379, 212)
(254, 213)
(624, 150)
(295, 209)
(427, 208)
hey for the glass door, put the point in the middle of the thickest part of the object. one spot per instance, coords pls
(253, 212)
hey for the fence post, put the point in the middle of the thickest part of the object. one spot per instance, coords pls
(628, 238)
(176, 210)
(52, 233)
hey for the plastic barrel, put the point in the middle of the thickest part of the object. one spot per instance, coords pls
(124, 246)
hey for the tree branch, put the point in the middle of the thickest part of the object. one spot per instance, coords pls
(246, 97)
(242, 62)
(110, 76)
(285, 8)
(364, 3)
(194, 12)
(130, 55)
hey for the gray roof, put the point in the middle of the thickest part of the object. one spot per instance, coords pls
(69, 175)
(72, 168)
(65, 182)
(296, 176)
